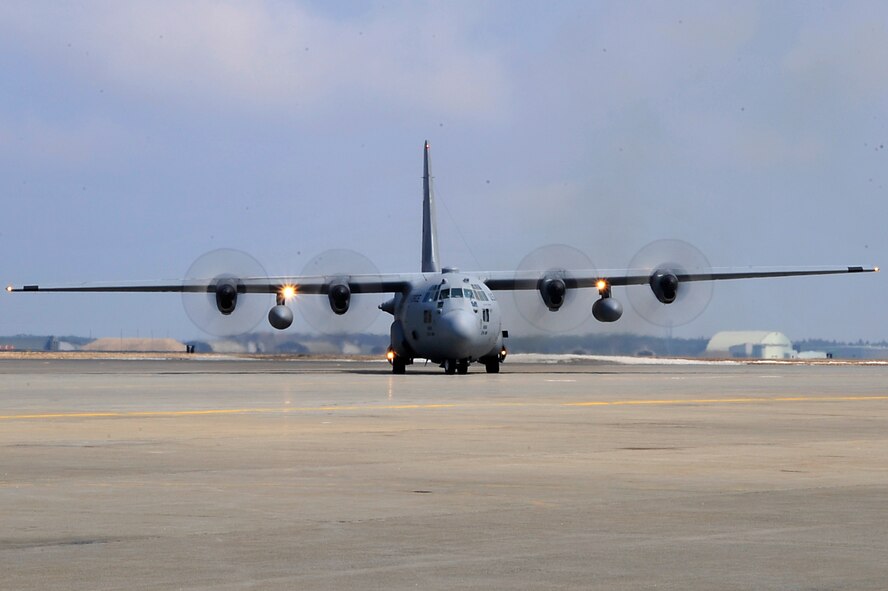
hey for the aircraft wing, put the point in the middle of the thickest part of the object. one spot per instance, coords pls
(317, 284)
(400, 282)
(504, 280)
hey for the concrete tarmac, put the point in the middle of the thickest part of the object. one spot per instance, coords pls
(243, 474)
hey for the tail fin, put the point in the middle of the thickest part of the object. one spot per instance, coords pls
(429, 219)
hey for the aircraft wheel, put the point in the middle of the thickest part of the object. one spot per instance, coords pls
(450, 366)
(399, 366)
(492, 366)
(462, 367)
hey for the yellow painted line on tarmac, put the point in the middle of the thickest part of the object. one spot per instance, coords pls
(744, 400)
(373, 408)
(213, 411)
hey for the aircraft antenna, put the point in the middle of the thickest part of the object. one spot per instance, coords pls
(461, 235)
(429, 220)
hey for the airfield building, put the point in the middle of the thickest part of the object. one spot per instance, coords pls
(759, 344)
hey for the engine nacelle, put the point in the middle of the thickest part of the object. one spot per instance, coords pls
(665, 286)
(280, 317)
(226, 296)
(553, 291)
(339, 295)
(607, 310)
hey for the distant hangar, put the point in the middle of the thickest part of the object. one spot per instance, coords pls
(752, 344)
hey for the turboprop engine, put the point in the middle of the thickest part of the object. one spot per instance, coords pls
(339, 295)
(664, 284)
(553, 291)
(217, 294)
(226, 295)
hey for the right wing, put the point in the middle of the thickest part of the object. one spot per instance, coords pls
(305, 284)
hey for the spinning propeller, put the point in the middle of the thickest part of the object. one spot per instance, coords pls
(340, 310)
(667, 261)
(225, 309)
(555, 306)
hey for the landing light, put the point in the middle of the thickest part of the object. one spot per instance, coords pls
(9, 287)
(288, 292)
(601, 285)
(390, 355)
(877, 269)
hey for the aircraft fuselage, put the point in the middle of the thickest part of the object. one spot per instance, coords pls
(448, 317)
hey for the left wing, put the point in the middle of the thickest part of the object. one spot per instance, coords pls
(522, 280)
(665, 282)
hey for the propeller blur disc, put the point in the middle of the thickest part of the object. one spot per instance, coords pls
(692, 298)
(225, 264)
(363, 308)
(556, 260)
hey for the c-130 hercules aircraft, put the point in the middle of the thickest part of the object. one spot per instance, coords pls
(440, 314)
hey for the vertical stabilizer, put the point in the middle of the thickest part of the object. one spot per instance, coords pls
(429, 219)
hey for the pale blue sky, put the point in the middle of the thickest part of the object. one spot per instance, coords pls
(135, 136)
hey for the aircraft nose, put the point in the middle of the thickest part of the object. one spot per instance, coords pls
(459, 325)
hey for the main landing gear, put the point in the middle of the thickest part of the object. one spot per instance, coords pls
(399, 364)
(492, 364)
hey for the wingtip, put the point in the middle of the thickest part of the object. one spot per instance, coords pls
(9, 288)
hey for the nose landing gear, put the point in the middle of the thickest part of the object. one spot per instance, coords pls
(452, 366)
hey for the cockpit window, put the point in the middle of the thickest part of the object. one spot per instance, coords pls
(430, 294)
(479, 293)
(461, 292)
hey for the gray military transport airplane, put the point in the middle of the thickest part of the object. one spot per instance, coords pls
(441, 314)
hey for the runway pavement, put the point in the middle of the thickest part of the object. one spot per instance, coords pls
(270, 474)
